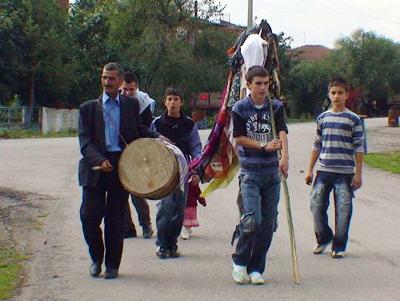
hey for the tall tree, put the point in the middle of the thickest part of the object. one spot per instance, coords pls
(369, 61)
(36, 51)
(89, 26)
(287, 60)
(365, 59)
(170, 48)
(307, 85)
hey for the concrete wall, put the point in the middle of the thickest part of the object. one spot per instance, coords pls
(56, 120)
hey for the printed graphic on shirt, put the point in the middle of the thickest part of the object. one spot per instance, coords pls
(259, 128)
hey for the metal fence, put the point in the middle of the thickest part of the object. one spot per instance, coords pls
(11, 117)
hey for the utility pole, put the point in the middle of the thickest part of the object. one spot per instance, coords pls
(196, 9)
(250, 14)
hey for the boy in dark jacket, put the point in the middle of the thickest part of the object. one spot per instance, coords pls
(182, 131)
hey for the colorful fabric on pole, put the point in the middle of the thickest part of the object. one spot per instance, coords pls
(219, 163)
(217, 155)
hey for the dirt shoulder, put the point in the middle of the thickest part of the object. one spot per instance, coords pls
(22, 217)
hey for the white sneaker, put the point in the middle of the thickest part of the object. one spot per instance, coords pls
(186, 232)
(319, 249)
(239, 274)
(337, 254)
(256, 278)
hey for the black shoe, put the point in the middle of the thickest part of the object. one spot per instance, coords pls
(95, 269)
(147, 231)
(175, 253)
(111, 274)
(162, 253)
(130, 233)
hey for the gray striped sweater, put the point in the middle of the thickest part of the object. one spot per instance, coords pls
(339, 136)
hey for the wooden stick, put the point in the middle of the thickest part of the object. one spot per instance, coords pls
(292, 239)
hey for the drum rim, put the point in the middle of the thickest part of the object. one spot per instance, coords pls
(161, 192)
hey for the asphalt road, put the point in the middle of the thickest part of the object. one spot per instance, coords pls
(59, 267)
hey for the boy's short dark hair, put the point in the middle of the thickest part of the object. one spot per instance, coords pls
(256, 71)
(130, 77)
(339, 82)
(172, 90)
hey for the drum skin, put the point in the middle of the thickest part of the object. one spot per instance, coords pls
(147, 168)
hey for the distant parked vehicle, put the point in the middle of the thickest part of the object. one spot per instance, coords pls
(206, 101)
(204, 104)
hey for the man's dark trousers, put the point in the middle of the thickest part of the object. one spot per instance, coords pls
(106, 200)
(143, 211)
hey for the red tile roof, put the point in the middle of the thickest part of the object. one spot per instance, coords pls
(311, 52)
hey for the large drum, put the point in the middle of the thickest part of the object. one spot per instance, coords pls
(149, 169)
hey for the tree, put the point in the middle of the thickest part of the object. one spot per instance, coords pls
(35, 56)
(89, 29)
(369, 61)
(307, 84)
(48, 56)
(10, 53)
(172, 48)
(287, 61)
(365, 59)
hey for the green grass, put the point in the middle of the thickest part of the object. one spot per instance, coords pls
(10, 271)
(389, 161)
(16, 133)
(36, 224)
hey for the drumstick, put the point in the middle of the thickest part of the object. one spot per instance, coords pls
(98, 167)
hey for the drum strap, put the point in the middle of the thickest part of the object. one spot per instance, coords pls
(112, 122)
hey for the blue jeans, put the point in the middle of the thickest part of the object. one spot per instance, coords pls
(169, 220)
(343, 195)
(260, 195)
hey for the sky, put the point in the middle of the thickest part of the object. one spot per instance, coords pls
(320, 22)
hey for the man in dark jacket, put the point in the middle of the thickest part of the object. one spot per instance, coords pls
(106, 126)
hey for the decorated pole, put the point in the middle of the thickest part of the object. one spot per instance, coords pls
(292, 239)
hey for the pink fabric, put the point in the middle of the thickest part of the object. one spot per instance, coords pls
(191, 217)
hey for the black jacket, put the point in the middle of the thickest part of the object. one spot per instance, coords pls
(92, 134)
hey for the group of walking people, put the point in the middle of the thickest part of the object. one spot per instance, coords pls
(117, 118)
(107, 125)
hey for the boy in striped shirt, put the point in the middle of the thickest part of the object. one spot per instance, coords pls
(338, 150)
